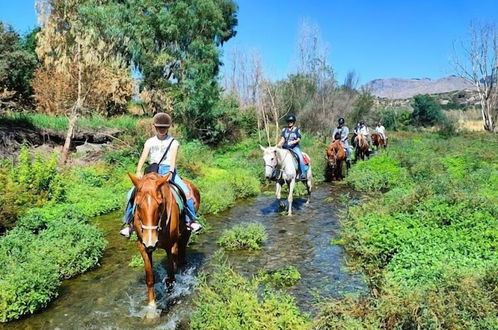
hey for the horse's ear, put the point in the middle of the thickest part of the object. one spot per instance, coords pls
(134, 179)
(164, 179)
(262, 148)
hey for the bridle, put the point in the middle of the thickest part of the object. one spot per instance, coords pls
(157, 227)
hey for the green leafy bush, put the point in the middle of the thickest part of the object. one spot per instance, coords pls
(33, 265)
(426, 111)
(226, 300)
(378, 173)
(243, 237)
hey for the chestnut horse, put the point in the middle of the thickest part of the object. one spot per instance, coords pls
(361, 147)
(378, 141)
(336, 159)
(159, 223)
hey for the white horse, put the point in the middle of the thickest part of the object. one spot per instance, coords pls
(283, 161)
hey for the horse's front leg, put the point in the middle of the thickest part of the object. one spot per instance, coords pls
(278, 190)
(149, 275)
(289, 198)
(172, 263)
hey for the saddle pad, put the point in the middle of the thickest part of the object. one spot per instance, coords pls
(306, 159)
(178, 197)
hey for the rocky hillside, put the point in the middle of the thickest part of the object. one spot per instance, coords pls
(395, 88)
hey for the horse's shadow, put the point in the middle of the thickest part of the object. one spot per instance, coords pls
(281, 205)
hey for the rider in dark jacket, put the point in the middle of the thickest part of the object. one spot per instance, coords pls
(290, 139)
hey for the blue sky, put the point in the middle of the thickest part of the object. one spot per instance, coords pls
(377, 38)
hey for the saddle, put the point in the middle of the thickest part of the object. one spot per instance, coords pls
(306, 159)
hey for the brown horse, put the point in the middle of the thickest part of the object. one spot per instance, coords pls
(361, 147)
(336, 159)
(378, 141)
(159, 224)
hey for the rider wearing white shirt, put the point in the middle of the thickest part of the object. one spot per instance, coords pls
(363, 130)
(381, 130)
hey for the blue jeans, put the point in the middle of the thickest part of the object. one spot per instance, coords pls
(303, 168)
(163, 169)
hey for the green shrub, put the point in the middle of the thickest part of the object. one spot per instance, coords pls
(76, 247)
(426, 111)
(26, 286)
(226, 300)
(33, 265)
(243, 237)
(378, 173)
(282, 277)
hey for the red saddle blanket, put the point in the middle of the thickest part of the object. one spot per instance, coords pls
(306, 159)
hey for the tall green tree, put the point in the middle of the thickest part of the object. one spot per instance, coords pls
(426, 111)
(17, 64)
(175, 48)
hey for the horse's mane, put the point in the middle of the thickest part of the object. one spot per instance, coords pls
(362, 141)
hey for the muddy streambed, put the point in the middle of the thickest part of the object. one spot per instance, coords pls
(113, 296)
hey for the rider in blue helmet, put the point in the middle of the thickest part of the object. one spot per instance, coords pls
(290, 139)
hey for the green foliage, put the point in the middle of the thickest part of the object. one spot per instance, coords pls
(32, 265)
(429, 243)
(189, 32)
(280, 278)
(226, 300)
(378, 173)
(395, 119)
(248, 237)
(136, 261)
(362, 106)
(17, 64)
(26, 286)
(426, 111)
(32, 182)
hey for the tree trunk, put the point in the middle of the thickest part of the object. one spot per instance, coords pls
(69, 136)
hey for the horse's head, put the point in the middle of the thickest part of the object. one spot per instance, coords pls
(331, 155)
(270, 157)
(150, 207)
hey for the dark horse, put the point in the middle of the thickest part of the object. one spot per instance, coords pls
(159, 223)
(378, 141)
(336, 161)
(361, 146)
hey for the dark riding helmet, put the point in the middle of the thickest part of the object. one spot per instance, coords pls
(162, 120)
(291, 118)
(362, 122)
(341, 121)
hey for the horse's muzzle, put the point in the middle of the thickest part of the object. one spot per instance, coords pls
(150, 248)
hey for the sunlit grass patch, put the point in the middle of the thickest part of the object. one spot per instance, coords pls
(240, 237)
(282, 277)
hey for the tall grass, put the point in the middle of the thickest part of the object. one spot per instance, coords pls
(60, 123)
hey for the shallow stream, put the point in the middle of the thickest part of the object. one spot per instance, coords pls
(113, 296)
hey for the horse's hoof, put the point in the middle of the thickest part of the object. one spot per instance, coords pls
(152, 312)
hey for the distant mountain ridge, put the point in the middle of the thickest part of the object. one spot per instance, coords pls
(397, 88)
